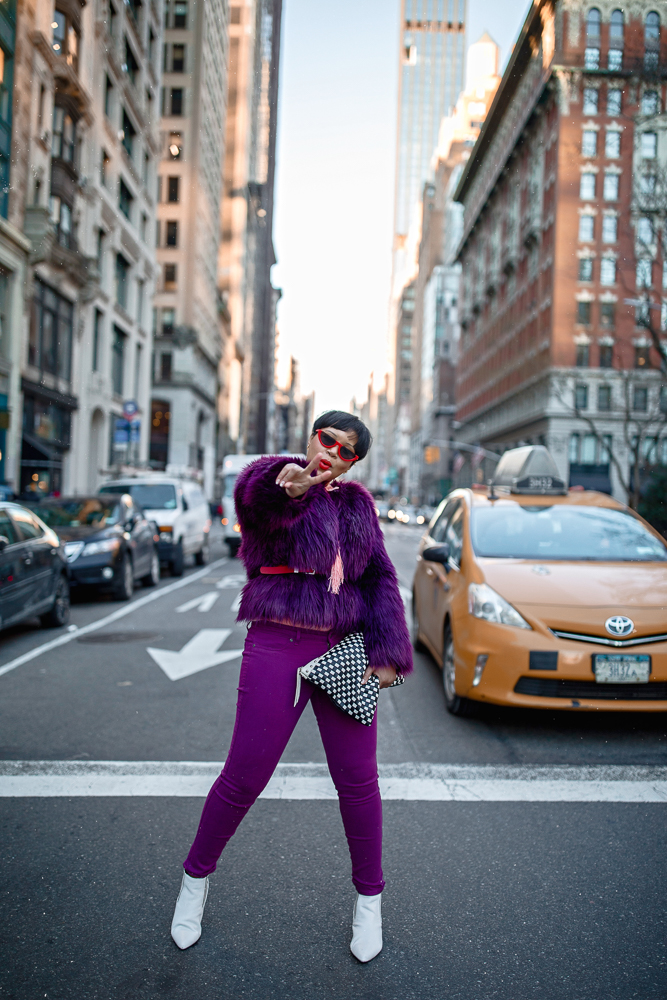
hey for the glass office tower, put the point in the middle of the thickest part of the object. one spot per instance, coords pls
(432, 61)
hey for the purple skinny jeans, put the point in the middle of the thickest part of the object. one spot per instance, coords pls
(265, 720)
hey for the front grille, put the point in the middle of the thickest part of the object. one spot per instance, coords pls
(600, 640)
(548, 687)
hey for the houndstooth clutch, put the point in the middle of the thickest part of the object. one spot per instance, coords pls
(339, 672)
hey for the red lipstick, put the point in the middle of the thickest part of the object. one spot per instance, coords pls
(325, 464)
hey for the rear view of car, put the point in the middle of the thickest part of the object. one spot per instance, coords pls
(231, 467)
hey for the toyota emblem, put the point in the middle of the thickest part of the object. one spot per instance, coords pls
(619, 625)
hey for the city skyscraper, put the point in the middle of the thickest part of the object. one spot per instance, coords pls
(432, 62)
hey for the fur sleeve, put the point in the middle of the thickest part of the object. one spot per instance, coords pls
(385, 630)
(259, 502)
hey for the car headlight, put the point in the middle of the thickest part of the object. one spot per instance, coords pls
(166, 536)
(485, 603)
(72, 550)
(107, 545)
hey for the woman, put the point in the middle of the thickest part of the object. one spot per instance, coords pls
(317, 570)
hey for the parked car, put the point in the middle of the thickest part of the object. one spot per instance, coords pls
(181, 512)
(231, 466)
(33, 570)
(108, 541)
(539, 596)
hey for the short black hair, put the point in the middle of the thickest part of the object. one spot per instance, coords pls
(343, 421)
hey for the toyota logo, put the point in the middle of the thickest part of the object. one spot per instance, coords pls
(619, 625)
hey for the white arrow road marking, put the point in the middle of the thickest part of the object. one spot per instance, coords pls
(236, 603)
(199, 653)
(231, 582)
(204, 603)
(406, 594)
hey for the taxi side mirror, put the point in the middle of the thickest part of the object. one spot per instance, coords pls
(437, 554)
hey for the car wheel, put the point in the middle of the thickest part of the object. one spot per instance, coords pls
(59, 613)
(202, 558)
(153, 578)
(454, 703)
(417, 644)
(176, 564)
(125, 586)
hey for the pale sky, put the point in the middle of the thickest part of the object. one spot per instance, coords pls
(335, 182)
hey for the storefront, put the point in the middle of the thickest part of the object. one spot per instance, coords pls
(47, 418)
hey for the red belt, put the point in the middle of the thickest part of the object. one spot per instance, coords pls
(284, 569)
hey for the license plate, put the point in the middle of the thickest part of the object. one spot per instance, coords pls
(621, 669)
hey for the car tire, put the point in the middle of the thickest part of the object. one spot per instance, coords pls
(176, 564)
(454, 703)
(233, 549)
(59, 613)
(203, 557)
(417, 644)
(125, 586)
(153, 578)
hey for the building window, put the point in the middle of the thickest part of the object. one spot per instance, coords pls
(128, 134)
(51, 327)
(608, 271)
(650, 102)
(608, 315)
(166, 362)
(645, 232)
(61, 217)
(589, 447)
(125, 199)
(122, 272)
(581, 397)
(574, 449)
(131, 66)
(97, 337)
(651, 40)
(236, 15)
(582, 358)
(178, 58)
(604, 398)
(172, 234)
(180, 14)
(118, 360)
(175, 146)
(63, 141)
(134, 7)
(170, 273)
(176, 101)
(648, 184)
(640, 398)
(610, 187)
(606, 356)
(104, 169)
(644, 273)
(160, 414)
(591, 98)
(642, 358)
(587, 186)
(585, 269)
(108, 98)
(144, 227)
(173, 189)
(612, 144)
(663, 402)
(593, 23)
(65, 42)
(589, 142)
(605, 449)
(609, 228)
(614, 98)
(615, 60)
(584, 314)
(138, 369)
(168, 322)
(586, 227)
(616, 25)
(591, 57)
(648, 145)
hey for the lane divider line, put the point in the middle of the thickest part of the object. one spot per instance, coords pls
(414, 782)
(127, 609)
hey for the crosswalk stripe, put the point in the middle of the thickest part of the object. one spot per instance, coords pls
(415, 782)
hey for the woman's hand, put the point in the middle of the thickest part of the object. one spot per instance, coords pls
(386, 675)
(296, 481)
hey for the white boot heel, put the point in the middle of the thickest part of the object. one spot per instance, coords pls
(367, 927)
(186, 925)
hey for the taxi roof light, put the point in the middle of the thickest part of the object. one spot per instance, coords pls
(530, 470)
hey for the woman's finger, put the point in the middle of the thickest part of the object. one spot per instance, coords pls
(368, 673)
(315, 461)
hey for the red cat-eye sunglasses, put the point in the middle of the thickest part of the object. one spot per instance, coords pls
(328, 441)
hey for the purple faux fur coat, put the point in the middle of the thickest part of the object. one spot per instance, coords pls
(305, 534)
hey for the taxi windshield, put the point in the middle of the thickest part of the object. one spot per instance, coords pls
(563, 532)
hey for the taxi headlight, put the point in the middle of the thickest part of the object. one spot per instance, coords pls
(485, 603)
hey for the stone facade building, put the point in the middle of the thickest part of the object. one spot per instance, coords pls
(555, 254)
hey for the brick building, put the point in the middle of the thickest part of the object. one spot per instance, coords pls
(555, 244)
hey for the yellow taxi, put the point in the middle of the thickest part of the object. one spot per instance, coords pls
(530, 594)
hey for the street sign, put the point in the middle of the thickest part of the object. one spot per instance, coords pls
(130, 409)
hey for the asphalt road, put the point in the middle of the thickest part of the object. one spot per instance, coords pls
(484, 899)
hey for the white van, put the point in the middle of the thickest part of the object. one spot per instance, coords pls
(231, 466)
(180, 510)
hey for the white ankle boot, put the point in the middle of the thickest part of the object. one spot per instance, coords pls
(367, 927)
(186, 925)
